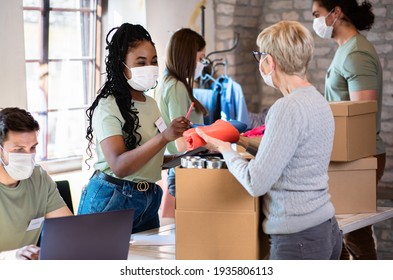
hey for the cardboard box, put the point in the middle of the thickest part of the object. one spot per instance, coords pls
(355, 129)
(353, 186)
(216, 218)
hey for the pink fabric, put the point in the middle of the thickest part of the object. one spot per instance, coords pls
(220, 129)
(258, 131)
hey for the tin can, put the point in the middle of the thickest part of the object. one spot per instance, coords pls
(184, 161)
(214, 163)
(193, 162)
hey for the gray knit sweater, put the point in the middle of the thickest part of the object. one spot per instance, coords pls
(290, 168)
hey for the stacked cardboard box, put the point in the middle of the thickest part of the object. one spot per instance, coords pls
(355, 130)
(352, 171)
(216, 218)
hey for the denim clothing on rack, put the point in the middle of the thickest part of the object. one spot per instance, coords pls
(225, 100)
(233, 104)
(101, 195)
(210, 99)
(171, 182)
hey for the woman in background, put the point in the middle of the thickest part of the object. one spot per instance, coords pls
(129, 145)
(185, 52)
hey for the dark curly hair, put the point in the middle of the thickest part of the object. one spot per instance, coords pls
(126, 37)
(361, 16)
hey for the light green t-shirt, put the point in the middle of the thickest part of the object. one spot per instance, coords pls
(356, 67)
(173, 101)
(108, 121)
(31, 199)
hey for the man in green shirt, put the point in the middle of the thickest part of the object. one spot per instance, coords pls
(27, 194)
(354, 74)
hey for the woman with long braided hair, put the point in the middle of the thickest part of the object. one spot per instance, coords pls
(124, 125)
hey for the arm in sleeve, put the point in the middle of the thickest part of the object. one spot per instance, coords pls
(106, 120)
(54, 199)
(284, 126)
(361, 72)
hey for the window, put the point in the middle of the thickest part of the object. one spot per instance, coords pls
(60, 44)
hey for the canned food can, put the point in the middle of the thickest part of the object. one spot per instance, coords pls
(184, 161)
(193, 162)
(214, 163)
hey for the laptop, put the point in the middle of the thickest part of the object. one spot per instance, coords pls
(98, 236)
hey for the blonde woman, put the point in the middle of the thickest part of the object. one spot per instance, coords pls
(290, 167)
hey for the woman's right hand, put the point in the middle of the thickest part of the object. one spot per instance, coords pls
(29, 252)
(176, 128)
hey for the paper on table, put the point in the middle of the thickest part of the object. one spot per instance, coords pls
(152, 240)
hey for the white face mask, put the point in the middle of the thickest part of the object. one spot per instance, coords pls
(20, 165)
(198, 70)
(143, 78)
(268, 77)
(320, 27)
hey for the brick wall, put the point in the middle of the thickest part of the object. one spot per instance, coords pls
(249, 17)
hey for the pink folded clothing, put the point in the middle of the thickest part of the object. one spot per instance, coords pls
(220, 129)
(258, 131)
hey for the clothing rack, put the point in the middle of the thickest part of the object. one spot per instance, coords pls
(234, 46)
(235, 41)
(210, 63)
(226, 99)
(203, 21)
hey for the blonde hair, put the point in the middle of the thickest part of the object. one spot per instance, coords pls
(290, 44)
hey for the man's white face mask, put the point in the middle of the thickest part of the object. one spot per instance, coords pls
(320, 27)
(20, 165)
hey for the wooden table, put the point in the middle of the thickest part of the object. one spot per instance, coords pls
(347, 224)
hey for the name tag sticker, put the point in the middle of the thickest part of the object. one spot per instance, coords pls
(161, 124)
(35, 223)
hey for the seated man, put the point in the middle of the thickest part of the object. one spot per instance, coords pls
(27, 193)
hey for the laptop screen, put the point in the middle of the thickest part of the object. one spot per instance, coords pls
(98, 236)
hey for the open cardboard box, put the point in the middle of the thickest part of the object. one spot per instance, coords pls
(355, 129)
(216, 218)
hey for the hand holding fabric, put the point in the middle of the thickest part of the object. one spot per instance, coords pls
(220, 129)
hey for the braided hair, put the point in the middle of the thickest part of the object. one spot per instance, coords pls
(126, 37)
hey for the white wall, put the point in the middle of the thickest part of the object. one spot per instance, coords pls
(164, 17)
(12, 55)
(161, 18)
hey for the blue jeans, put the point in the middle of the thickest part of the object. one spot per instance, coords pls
(322, 242)
(101, 196)
(171, 182)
